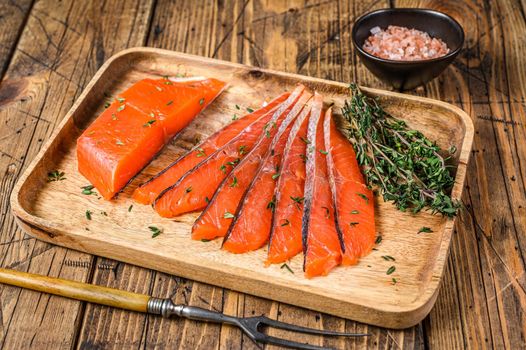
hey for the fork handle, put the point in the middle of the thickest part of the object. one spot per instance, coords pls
(76, 290)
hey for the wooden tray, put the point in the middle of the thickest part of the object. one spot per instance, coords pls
(55, 211)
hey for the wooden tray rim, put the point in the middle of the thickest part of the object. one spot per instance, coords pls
(399, 317)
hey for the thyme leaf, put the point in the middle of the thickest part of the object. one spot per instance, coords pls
(285, 266)
(56, 175)
(155, 231)
(425, 229)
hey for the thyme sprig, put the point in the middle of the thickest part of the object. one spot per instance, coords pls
(408, 168)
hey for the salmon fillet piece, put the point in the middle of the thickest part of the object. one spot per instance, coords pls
(148, 191)
(354, 201)
(215, 220)
(321, 242)
(136, 126)
(250, 229)
(285, 236)
(195, 188)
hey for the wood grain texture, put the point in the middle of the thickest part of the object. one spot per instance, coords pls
(60, 48)
(363, 292)
(481, 304)
(13, 17)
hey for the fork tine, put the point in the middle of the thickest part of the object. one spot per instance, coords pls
(291, 344)
(290, 327)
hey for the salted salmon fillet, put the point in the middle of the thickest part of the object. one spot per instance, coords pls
(285, 235)
(353, 200)
(250, 229)
(136, 126)
(215, 220)
(194, 190)
(148, 191)
(321, 242)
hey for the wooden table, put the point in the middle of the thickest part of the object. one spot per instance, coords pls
(49, 50)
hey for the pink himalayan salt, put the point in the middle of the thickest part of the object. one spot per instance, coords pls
(404, 44)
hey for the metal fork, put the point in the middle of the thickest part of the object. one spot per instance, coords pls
(156, 306)
(250, 325)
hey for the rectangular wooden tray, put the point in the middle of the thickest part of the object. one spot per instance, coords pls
(55, 211)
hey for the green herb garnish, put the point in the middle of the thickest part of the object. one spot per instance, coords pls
(388, 258)
(285, 266)
(200, 152)
(121, 108)
(228, 215)
(287, 222)
(234, 182)
(242, 150)
(323, 152)
(121, 99)
(201, 101)
(55, 175)
(155, 231)
(234, 162)
(249, 110)
(378, 240)
(272, 204)
(149, 123)
(297, 201)
(355, 212)
(188, 189)
(235, 117)
(205, 240)
(130, 208)
(425, 229)
(88, 190)
(88, 214)
(107, 104)
(407, 167)
(364, 197)
(391, 270)
(169, 102)
(353, 224)
(307, 142)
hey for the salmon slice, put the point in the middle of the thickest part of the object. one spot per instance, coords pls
(353, 200)
(148, 191)
(321, 242)
(215, 220)
(285, 235)
(136, 126)
(250, 229)
(195, 188)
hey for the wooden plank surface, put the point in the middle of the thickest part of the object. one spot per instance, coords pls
(482, 303)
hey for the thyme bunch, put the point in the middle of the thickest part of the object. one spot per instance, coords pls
(403, 164)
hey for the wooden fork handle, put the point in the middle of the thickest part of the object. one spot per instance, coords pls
(76, 290)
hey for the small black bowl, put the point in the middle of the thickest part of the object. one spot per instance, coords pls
(406, 75)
